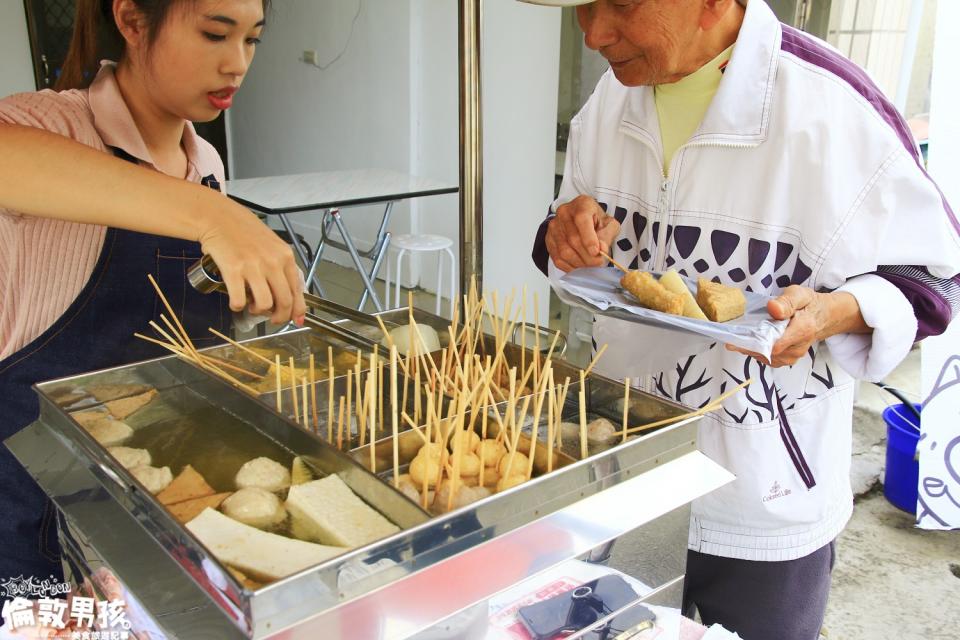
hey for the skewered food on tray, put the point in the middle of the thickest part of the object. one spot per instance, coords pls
(672, 281)
(720, 302)
(650, 293)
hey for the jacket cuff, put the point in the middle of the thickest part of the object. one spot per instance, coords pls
(539, 254)
(890, 314)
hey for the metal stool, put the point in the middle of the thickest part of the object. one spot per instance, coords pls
(423, 243)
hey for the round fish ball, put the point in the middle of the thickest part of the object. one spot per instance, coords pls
(402, 337)
(432, 449)
(491, 450)
(263, 473)
(489, 477)
(425, 468)
(130, 458)
(601, 431)
(511, 481)
(255, 507)
(409, 445)
(109, 432)
(469, 438)
(569, 430)
(516, 461)
(154, 479)
(469, 464)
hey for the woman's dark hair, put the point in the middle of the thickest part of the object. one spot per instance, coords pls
(96, 36)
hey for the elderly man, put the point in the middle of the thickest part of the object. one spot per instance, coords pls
(726, 145)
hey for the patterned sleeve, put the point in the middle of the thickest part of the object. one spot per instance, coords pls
(935, 301)
(540, 256)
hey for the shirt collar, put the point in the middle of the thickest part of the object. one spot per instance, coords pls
(740, 111)
(116, 126)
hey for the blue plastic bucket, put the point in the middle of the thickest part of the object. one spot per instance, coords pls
(903, 471)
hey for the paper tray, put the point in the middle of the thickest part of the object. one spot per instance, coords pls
(598, 290)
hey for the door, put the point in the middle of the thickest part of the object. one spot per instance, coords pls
(50, 25)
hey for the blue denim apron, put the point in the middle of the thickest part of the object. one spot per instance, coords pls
(95, 332)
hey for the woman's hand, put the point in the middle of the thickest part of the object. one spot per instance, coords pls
(257, 267)
(813, 317)
(93, 187)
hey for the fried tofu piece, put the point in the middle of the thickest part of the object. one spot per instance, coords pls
(186, 486)
(720, 302)
(672, 281)
(187, 510)
(651, 293)
(125, 407)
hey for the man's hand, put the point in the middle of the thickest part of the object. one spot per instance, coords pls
(813, 317)
(580, 230)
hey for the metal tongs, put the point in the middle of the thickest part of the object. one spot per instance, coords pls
(204, 276)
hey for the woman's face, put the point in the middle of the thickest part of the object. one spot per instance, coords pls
(200, 56)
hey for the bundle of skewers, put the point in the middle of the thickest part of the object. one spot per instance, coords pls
(486, 419)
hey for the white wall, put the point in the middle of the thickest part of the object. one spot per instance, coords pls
(294, 118)
(391, 102)
(16, 69)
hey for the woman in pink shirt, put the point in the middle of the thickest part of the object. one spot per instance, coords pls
(104, 182)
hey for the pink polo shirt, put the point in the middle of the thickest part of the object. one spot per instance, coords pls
(45, 263)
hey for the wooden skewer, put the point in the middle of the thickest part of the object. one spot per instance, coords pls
(713, 406)
(615, 263)
(166, 345)
(381, 393)
(240, 346)
(306, 407)
(349, 405)
(313, 392)
(293, 389)
(212, 368)
(583, 416)
(551, 411)
(626, 407)
(413, 425)
(279, 384)
(229, 365)
(595, 359)
(372, 409)
(340, 422)
(160, 331)
(166, 303)
(330, 407)
(393, 415)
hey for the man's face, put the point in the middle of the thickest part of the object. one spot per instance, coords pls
(647, 42)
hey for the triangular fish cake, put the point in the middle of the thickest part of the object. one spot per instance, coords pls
(186, 486)
(106, 392)
(128, 406)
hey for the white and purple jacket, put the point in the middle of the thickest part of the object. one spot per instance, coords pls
(800, 173)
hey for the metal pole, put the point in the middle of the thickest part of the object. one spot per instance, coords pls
(471, 148)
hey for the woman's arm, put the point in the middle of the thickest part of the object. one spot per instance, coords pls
(50, 176)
